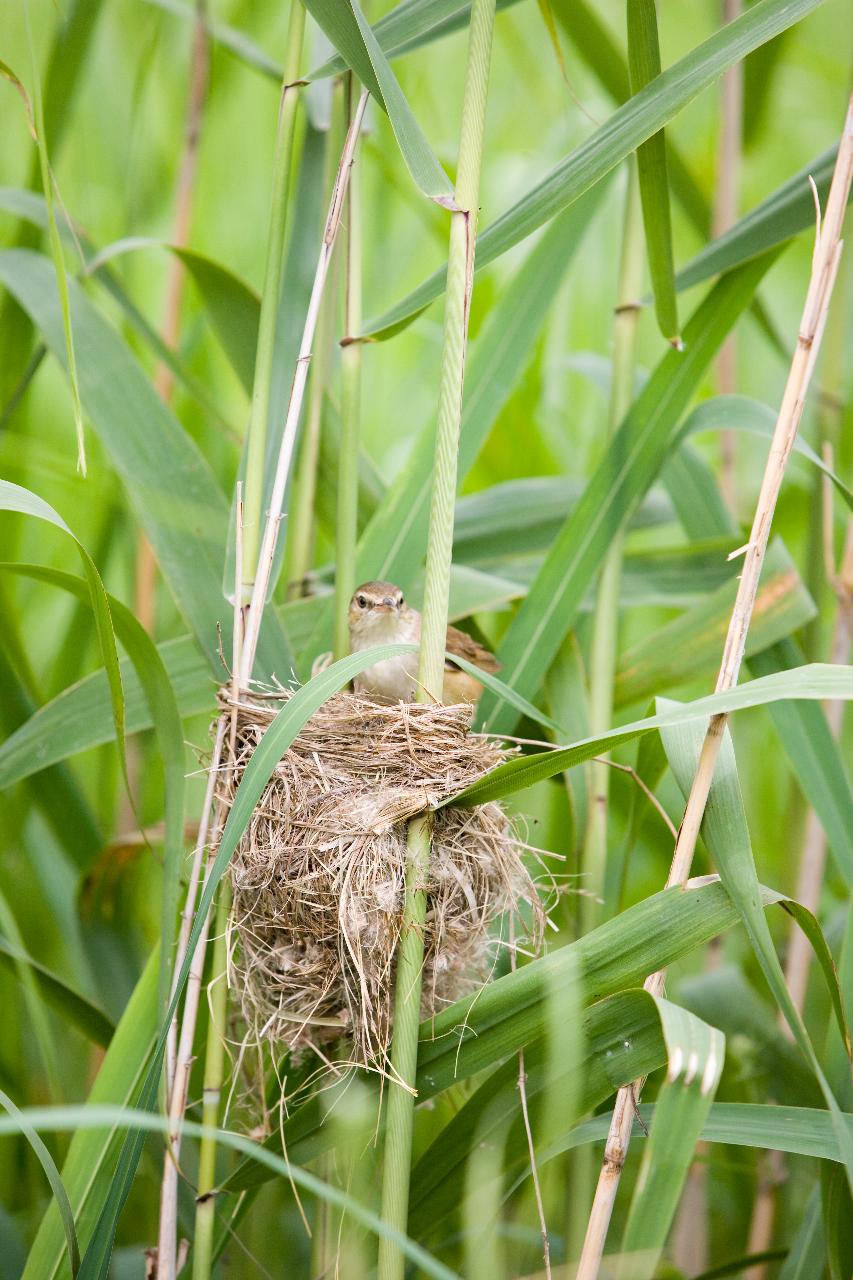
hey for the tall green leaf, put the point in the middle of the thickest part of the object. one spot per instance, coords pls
(817, 681)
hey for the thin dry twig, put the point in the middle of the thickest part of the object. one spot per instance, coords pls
(824, 268)
(297, 393)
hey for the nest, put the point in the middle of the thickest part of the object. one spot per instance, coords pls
(318, 879)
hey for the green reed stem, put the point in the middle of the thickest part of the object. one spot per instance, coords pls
(606, 618)
(214, 1063)
(460, 273)
(259, 416)
(347, 514)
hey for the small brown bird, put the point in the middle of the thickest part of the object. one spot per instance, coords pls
(378, 614)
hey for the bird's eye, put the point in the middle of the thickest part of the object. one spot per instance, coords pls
(362, 602)
(400, 600)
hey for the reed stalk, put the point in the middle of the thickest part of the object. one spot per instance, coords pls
(824, 268)
(262, 572)
(460, 276)
(346, 528)
(258, 430)
(725, 214)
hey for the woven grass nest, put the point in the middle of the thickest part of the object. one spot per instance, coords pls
(318, 879)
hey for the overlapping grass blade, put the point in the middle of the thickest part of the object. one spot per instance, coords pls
(689, 646)
(789, 210)
(816, 682)
(631, 464)
(629, 126)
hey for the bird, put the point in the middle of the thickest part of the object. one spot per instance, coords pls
(378, 614)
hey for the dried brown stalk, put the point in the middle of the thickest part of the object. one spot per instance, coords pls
(164, 380)
(824, 268)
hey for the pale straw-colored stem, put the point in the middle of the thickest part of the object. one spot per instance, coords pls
(263, 569)
(824, 268)
(346, 531)
(258, 430)
(164, 380)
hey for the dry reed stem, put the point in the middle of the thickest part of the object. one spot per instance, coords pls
(297, 393)
(164, 380)
(824, 268)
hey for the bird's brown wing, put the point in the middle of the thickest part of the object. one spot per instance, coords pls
(467, 647)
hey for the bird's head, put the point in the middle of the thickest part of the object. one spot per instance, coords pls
(375, 607)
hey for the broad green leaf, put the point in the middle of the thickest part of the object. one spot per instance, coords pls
(60, 1196)
(91, 1021)
(629, 126)
(695, 1055)
(171, 488)
(89, 1166)
(726, 836)
(816, 681)
(625, 473)
(350, 33)
(802, 727)
(643, 68)
(159, 696)
(601, 53)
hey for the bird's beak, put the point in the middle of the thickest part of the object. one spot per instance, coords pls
(388, 603)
